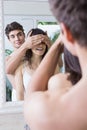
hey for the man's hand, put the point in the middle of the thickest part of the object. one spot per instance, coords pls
(32, 41)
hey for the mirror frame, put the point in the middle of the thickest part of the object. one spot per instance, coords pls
(5, 107)
(2, 65)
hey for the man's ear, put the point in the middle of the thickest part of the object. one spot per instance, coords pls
(67, 33)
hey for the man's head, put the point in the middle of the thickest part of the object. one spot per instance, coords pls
(73, 15)
(15, 33)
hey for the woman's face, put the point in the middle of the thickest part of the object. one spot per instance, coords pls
(39, 49)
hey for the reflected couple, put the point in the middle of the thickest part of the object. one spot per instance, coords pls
(26, 57)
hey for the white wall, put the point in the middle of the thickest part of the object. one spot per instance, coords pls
(29, 7)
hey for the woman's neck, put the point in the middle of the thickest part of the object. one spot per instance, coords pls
(35, 61)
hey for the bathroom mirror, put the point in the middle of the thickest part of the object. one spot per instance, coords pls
(30, 14)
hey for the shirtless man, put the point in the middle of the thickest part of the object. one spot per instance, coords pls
(50, 110)
(15, 34)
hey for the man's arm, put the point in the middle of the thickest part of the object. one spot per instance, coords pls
(13, 61)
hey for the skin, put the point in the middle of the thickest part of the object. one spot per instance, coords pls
(65, 110)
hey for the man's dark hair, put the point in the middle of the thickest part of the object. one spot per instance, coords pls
(74, 15)
(13, 26)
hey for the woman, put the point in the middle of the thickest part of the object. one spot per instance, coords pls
(31, 61)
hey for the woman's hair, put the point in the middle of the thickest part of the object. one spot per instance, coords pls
(72, 66)
(32, 32)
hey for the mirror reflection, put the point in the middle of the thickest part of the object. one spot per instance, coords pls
(24, 49)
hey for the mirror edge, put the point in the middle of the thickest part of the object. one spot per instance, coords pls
(2, 61)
